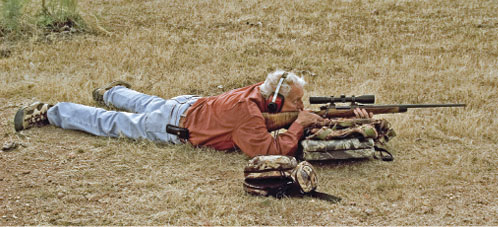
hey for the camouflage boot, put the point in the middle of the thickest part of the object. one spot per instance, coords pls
(98, 93)
(32, 115)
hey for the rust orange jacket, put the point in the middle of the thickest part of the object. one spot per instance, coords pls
(233, 119)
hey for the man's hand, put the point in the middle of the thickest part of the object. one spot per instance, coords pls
(307, 118)
(362, 113)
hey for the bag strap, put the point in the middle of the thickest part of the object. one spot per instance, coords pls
(324, 196)
(292, 192)
(385, 155)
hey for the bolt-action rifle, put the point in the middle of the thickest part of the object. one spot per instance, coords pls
(284, 120)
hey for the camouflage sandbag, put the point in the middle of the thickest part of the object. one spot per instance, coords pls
(335, 145)
(347, 139)
(270, 166)
(277, 175)
(316, 150)
(377, 129)
(328, 133)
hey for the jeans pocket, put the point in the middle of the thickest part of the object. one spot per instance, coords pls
(182, 99)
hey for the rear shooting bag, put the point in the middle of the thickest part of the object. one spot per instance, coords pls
(279, 176)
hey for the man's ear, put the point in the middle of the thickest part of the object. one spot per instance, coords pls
(275, 107)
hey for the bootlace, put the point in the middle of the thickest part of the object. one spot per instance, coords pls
(39, 118)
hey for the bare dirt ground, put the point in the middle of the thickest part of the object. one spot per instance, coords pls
(445, 167)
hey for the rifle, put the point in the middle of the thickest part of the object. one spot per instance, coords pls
(285, 119)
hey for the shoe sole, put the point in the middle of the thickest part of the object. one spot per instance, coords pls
(18, 119)
(99, 98)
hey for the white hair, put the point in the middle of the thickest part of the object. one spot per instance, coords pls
(271, 82)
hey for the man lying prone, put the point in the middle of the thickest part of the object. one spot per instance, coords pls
(226, 121)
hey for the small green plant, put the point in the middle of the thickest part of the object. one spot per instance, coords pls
(60, 16)
(10, 15)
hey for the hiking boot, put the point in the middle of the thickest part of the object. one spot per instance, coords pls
(32, 115)
(98, 94)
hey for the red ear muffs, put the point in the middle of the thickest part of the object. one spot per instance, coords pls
(276, 100)
(275, 107)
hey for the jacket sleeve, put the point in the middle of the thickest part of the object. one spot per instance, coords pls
(253, 138)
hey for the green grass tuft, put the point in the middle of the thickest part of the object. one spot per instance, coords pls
(11, 15)
(25, 19)
(61, 16)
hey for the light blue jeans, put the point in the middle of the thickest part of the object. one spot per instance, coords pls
(146, 116)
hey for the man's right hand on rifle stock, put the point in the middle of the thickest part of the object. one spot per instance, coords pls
(307, 118)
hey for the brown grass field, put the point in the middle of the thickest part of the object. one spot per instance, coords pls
(445, 167)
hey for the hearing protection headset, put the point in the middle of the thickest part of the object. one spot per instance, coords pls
(276, 102)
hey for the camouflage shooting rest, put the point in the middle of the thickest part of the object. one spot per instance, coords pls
(316, 150)
(347, 139)
(278, 176)
(281, 176)
(270, 166)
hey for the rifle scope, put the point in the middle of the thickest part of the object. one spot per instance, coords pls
(367, 99)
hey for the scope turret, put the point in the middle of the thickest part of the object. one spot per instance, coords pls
(367, 99)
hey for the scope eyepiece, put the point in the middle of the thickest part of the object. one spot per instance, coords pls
(367, 99)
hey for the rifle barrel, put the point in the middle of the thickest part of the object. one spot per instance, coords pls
(414, 105)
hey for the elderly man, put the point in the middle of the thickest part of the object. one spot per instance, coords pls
(226, 121)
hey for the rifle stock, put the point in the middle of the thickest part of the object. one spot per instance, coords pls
(285, 119)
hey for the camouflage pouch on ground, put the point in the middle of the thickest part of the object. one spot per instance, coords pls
(279, 176)
(347, 139)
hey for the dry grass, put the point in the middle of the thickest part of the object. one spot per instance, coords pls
(445, 168)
